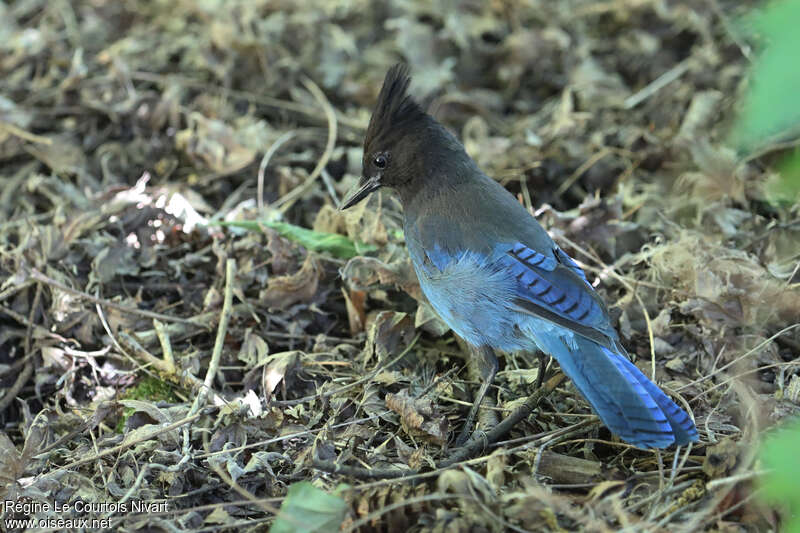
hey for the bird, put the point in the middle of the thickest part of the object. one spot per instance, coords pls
(495, 276)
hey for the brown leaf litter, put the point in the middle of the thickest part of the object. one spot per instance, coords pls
(126, 127)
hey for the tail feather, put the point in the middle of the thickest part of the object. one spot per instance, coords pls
(682, 425)
(626, 401)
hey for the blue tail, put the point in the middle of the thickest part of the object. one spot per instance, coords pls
(627, 402)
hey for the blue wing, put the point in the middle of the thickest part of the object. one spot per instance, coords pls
(555, 288)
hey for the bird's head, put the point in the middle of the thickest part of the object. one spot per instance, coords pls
(394, 145)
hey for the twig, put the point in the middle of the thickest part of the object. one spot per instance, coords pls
(589, 163)
(264, 443)
(180, 329)
(133, 442)
(14, 289)
(399, 505)
(328, 181)
(184, 378)
(222, 328)
(353, 384)
(286, 201)
(280, 141)
(31, 317)
(562, 437)
(11, 393)
(650, 337)
(14, 367)
(657, 84)
(745, 464)
(743, 356)
(223, 475)
(474, 445)
(23, 220)
(38, 329)
(362, 473)
(744, 476)
(244, 95)
(22, 134)
(38, 276)
(166, 345)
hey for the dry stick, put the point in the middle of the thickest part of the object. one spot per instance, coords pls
(472, 446)
(23, 220)
(567, 183)
(746, 354)
(657, 84)
(559, 438)
(166, 345)
(745, 463)
(399, 505)
(38, 276)
(263, 166)
(25, 135)
(185, 379)
(101, 315)
(244, 492)
(133, 442)
(250, 97)
(43, 331)
(177, 329)
(216, 355)
(11, 393)
(14, 367)
(353, 384)
(433, 473)
(27, 371)
(203, 322)
(264, 443)
(486, 415)
(743, 374)
(286, 201)
(31, 316)
(496, 433)
(328, 181)
(14, 289)
(676, 466)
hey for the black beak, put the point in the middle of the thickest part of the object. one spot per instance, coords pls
(372, 184)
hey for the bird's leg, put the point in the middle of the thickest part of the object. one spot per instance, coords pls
(487, 363)
(542, 368)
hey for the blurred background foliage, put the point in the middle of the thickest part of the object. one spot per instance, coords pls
(770, 114)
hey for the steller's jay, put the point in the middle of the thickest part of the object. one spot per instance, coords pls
(496, 277)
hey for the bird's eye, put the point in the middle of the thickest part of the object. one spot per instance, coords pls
(380, 161)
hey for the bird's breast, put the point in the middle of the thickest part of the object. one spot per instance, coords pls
(471, 295)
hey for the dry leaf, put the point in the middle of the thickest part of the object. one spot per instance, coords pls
(418, 416)
(284, 291)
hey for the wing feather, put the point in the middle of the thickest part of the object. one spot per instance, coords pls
(555, 288)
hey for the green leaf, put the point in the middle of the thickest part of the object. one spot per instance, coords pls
(317, 241)
(782, 484)
(770, 108)
(784, 188)
(308, 509)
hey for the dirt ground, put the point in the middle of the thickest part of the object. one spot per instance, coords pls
(187, 320)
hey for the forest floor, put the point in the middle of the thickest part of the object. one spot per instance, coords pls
(186, 318)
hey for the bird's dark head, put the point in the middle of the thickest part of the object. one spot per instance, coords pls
(400, 142)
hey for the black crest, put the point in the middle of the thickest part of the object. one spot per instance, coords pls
(394, 106)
